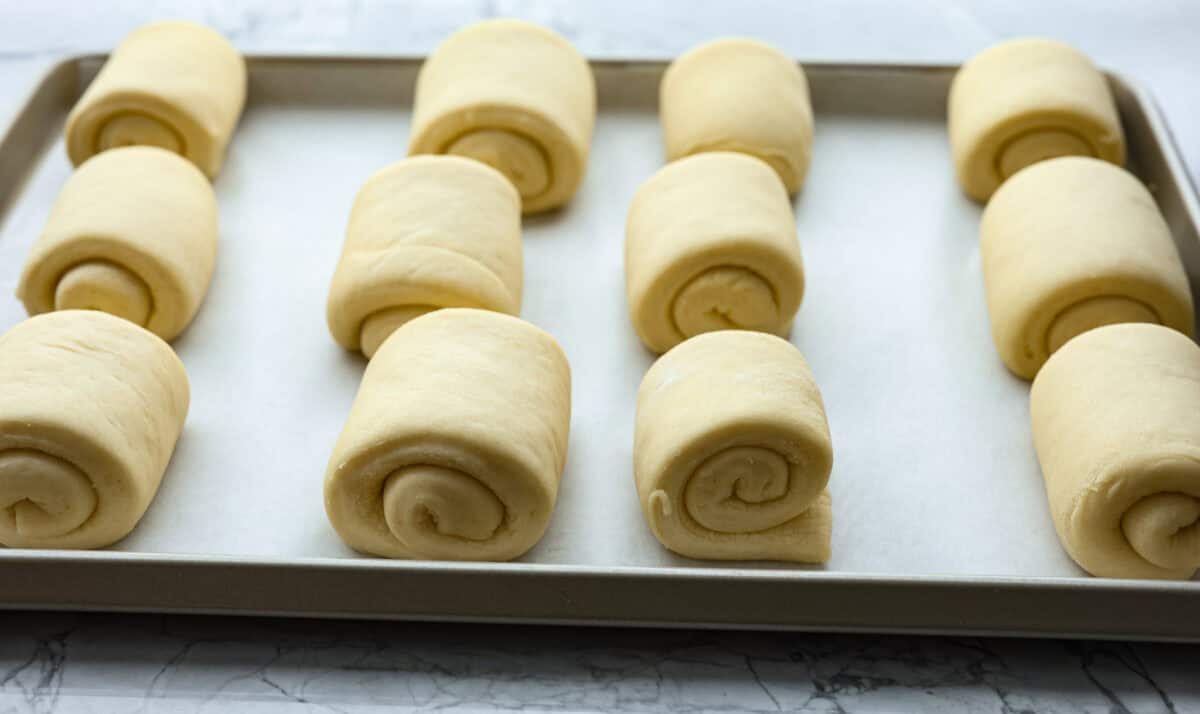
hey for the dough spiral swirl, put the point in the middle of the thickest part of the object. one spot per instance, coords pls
(134, 234)
(515, 96)
(710, 244)
(425, 233)
(90, 409)
(174, 85)
(1025, 101)
(1071, 244)
(1116, 424)
(732, 452)
(456, 442)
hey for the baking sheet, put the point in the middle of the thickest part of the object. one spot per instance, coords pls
(935, 482)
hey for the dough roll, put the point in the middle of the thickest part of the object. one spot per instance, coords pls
(425, 233)
(1024, 101)
(739, 95)
(456, 441)
(134, 234)
(90, 409)
(710, 244)
(515, 96)
(1071, 244)
(732, 452)
(175, 85)
(1116, 424)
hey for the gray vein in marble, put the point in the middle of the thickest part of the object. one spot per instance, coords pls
(1091, 658)
(201, 664)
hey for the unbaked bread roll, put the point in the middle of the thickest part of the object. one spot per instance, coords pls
(710, 244)
(175, 85)
(90, 409)
(134, 234)
(1071, 244)
(1116, 424)
(516, 96)
(456, 442)
(732, 453)
(425, 233)
(739, 95)
(1024, 101)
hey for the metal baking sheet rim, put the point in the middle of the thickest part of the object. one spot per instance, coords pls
(561, 594)
(585, 595)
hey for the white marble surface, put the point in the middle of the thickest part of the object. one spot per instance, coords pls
(72, 662)
(195, 664)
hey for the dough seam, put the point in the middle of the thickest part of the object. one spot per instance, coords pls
(504, 527)
(98, 116)
(150, 314)
(1058, 314)
(790, 175)
(543, 153)
(670, 305)
(134, 110)
(1007, 143)
(794, 482)
(34, 447)
(468, 301)
(395, 454)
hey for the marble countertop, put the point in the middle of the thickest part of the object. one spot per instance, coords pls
(70, 662)
(175, 663)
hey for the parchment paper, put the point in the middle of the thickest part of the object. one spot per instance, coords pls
(934, 465)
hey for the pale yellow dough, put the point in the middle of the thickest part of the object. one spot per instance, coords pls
(1071, 244)
(133, 233)
(90, 409)
(710, 244)
(516, 96)
(456, 441)
(425, 233)
(1116, 423)
(732, 452)
(175, 85)
(1024, 101)
(739, 95)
